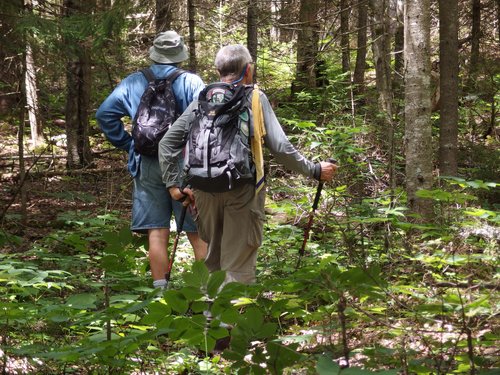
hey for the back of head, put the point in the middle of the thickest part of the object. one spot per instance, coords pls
(231, 61)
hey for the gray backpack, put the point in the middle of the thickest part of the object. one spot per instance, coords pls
(218, 153)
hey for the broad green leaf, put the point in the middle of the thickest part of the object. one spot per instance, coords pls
(176, 300)
(327, 366)
(282, 356)
(266, 330)
(123, 298)
(191, 293)
(155, 312)
(306, 124)
(214, 282)
(218, 332)
(230, 316)
(198, 277)
(82, 301)
(254, 318)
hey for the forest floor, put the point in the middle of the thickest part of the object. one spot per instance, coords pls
(51, 191)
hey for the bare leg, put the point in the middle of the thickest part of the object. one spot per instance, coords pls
(199, 246)
(158, 257)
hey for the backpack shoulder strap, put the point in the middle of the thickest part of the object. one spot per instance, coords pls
(172, 76)
(148, 73)
(259, 131)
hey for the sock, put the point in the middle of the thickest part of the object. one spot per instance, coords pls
(161, 283)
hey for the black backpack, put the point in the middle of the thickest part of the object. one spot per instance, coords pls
(218, 155)
(157, 110)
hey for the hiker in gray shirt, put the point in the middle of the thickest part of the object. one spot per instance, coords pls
(231, 221)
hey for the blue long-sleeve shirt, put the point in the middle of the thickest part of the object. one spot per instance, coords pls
(125, 99)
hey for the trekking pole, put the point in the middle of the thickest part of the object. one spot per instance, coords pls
(311, 217)
(174, 248)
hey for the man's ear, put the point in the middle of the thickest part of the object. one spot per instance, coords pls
(248, 74)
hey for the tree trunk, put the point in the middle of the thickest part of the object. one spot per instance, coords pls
(344, 36)
(252, 34)
(20, 145)
(307, 46)
(382, 58)
(287, 17)
(448, 58)
(163, 15)
(32, 99)
(399, 40)
(78, 76)
(475, 37)
(418, 105)
(192, 36)
(359, 70)
(11, 64)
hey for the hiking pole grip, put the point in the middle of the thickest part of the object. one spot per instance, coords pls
(320, 187)
(318, 195)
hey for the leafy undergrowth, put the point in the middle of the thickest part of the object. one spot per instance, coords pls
(372, 292)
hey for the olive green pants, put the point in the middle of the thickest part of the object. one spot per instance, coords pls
(232, 224)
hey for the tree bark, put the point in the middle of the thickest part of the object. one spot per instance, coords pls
(192, 36)
(307, 46)
(475, 38)
(448, 58)
(32, 99)
(22, 167)
(11, 64)
(78, 76)
(287, 17)
(344, 36)
(252, 33)
(382, 58)
(418, 135)
(163, 15)
(399, 40)
(359, 69)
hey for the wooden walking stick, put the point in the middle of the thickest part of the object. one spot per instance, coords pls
(174, 248)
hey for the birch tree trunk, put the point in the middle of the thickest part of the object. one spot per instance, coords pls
(418, 135)
(448, 61)
(32, 99)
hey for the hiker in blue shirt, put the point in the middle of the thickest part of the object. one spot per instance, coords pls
(152, 205)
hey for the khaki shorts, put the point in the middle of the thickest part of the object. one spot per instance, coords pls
(232, 224)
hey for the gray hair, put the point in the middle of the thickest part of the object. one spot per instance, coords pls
(231, 60)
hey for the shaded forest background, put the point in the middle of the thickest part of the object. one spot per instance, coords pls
(401, 272)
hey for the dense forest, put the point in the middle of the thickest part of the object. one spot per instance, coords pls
(400, 269)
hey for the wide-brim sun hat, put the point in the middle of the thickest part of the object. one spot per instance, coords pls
(168, 48)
